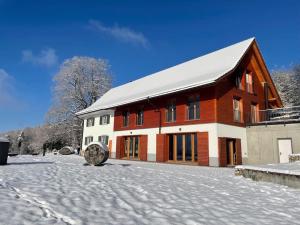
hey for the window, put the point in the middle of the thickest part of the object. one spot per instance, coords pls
(88, 140)
(90, 122)
(237, 114)
(193, 108)
(140, 117)
(103, 139)
(171, 112)
(254, 113)
(125, 118)
(104, 119)
(249, 82)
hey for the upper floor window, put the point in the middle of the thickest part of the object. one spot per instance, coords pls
(249, 82)
(140, 117)
(238, 81)
(254, 113)
(90, 122)
(237, 110)
(103, 139)
(193, 108)
(171, 112)
(88, 140)
(104, 119)
(125, 115)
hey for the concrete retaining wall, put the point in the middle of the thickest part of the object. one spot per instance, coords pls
(278, 178)
(262, 141)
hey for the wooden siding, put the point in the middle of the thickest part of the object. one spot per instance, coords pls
(143, 147)
(154, 108)
(161, 148)
(222, 152)
(202, 147)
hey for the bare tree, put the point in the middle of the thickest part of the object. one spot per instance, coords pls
(78, 84)
(288, 85)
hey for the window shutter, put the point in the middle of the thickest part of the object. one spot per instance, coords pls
(101, 122)
(85, 141)
(108, 119)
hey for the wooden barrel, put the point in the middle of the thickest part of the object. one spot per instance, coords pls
(96, 153)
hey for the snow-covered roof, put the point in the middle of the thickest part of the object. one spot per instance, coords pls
(196, 72)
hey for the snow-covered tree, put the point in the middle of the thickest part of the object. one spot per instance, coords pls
(288, 85)
(78, 84)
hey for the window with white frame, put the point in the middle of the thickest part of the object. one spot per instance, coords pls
(237, 110)
(103, 139)
(193, 108)
(88, 140)
(104, 119)
(171, 111)
(90, 122)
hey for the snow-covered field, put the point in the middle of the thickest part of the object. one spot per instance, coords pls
(62, 190)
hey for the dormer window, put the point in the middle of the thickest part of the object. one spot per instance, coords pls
(90, 122)
(104, 119)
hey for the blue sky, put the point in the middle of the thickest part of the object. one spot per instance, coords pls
(137, 37)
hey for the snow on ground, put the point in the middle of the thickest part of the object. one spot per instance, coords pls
(62, 190)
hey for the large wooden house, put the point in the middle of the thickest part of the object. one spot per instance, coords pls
(195, 112)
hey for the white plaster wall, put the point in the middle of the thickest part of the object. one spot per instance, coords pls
(211, 128)
(98, 130)
(234, 132)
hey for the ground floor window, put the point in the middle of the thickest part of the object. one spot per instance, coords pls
(183, 147)
(88, 140)
(131, 147)
(103, 139)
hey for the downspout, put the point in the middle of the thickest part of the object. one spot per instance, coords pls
(156, 110)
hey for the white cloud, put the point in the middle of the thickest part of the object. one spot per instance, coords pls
(46, 57)
(6, 88)
(8, 99)
(123, 34)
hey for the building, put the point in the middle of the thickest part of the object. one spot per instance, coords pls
(196, 112)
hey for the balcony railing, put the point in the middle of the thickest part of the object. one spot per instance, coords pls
(280, 115)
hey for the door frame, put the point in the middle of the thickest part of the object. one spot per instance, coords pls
(233, 154)
(278, 139)
(193, 135)
(127, 143)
